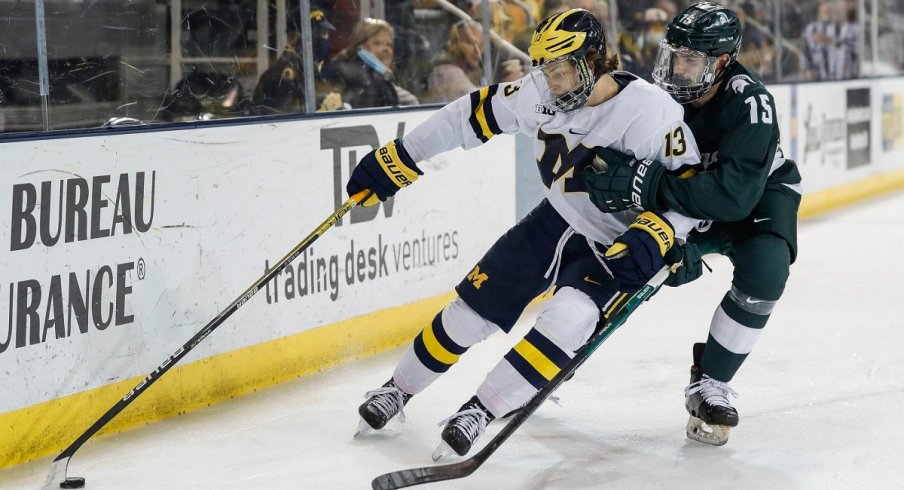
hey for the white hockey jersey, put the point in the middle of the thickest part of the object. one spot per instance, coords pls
(640, 120)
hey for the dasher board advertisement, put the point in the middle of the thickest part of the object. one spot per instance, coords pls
(117, 249)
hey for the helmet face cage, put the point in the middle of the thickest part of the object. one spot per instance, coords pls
(566, 37)
(575, 74)
(685, 73)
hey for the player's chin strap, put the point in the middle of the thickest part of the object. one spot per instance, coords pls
(417, 476)
(56, 478)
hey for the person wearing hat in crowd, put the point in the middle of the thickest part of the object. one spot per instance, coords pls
(280, 88)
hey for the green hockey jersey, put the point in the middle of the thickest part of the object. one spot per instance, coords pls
(738, 137)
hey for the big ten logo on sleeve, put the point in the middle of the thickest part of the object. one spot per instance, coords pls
(348, 145)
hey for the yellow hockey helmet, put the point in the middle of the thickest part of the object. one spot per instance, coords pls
(567, 37)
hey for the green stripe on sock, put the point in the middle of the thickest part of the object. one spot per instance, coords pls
(720, 363)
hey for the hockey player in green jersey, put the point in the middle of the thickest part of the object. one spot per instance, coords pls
(743, 186)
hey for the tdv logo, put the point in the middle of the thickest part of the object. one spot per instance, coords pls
(346, 142)
(40, 210)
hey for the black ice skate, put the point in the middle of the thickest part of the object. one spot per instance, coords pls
(463, 428)
(706, 400)
(382, 405)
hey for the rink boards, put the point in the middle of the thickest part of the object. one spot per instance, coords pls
(117, 248)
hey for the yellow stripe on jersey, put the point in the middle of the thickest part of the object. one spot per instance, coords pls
(436, 349)
(537, 359)
(482, 120)
(481, 115)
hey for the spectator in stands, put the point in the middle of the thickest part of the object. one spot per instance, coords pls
(503, 17)
(654, 26)
(668, 6)
(180, 105)
(363, 70)
(599, 9)
(830, 52)
(412, 50)
(521, 19)
(631, 14)
(629, 53)
(757, 52)
(500, 21)
(552, 7)
(280, 89)
(202, 95)
(345, 15)
(458, 71)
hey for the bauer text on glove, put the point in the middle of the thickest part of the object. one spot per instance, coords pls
(384, 171)
(637, 254)
(617, 181)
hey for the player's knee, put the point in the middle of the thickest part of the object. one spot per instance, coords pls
(463, 325)
(762, 266)
(568, 319)
(751, 304)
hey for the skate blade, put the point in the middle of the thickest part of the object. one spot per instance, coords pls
(363, 428)
(700, 431)
(442, 451)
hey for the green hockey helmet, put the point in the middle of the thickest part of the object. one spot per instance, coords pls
(686, 62)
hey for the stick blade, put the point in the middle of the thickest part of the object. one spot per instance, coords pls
(429, 474)
(56, 477)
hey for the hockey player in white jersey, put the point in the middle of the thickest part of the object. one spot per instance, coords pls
(572, 103)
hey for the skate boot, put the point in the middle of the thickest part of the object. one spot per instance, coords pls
(382, 404)
(706, 400)
(463, 428)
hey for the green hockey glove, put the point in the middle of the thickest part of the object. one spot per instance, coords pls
(686, 262)
(617, 182)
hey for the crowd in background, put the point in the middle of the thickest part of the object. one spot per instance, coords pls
(421, 51)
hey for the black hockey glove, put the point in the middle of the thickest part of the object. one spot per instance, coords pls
(384, 171)
(691, 264)
(617, 181)
(638, 254)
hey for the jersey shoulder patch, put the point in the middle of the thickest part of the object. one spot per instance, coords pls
(741, 83)
(745, 93)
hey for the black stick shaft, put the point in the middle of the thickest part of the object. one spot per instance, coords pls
(156, 374)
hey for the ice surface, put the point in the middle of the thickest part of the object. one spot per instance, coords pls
(821, 399)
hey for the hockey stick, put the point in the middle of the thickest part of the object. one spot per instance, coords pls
(60, 464)
(417, 476)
